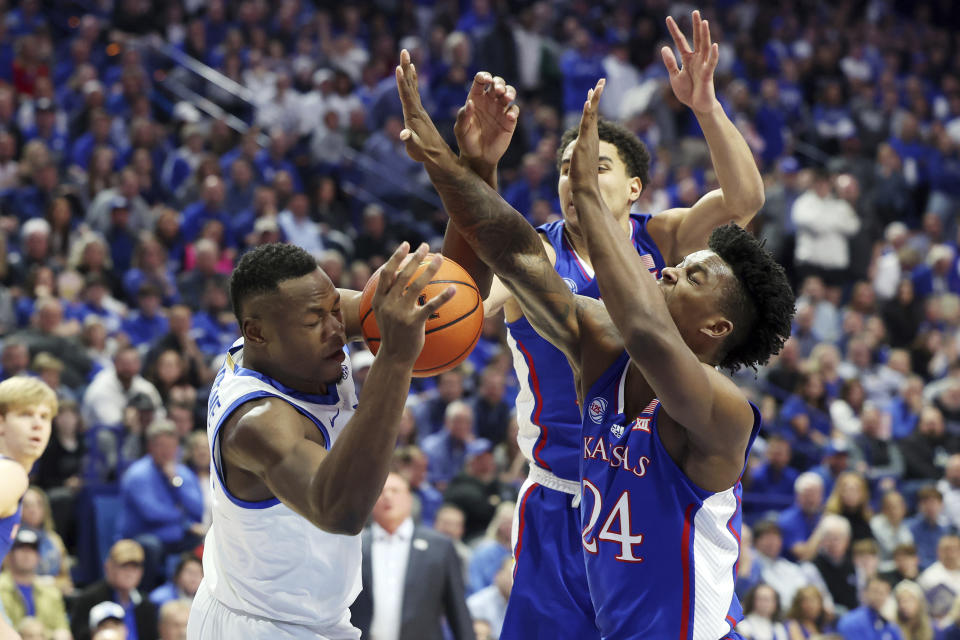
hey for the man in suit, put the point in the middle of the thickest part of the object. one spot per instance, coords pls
(411, 575)
(123, 571)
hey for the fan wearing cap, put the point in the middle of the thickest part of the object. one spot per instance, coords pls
(107, 616)
(24, 594)
(27, 407)
(123, 571)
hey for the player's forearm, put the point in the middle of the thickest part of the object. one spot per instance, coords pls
(734, 165)
(629, 292)
(456, 247)
(496, 233)
(506, 242)
(351, 477)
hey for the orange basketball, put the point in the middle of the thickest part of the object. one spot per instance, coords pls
(451, 333)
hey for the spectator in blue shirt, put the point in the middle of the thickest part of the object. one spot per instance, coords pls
(447, 449)
(209, 207)
(162, 501)
(580, 68)
(799, 522)
(775, 477)
(929, 525)
(836, 460)
(148, 323)
(866, 622)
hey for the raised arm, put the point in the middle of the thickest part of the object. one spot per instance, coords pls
(484, 128)
(679, 232)
(336, 489)
(694, 394)
(498, 235)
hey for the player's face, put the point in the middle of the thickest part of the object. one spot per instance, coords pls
(619, 190)
(25, 431)
(693, 291)
(305, 332)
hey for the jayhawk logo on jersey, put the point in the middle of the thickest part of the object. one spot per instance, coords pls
(597, 409)
(617, 431)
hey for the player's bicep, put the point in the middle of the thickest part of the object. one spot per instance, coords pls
(690, 229)
(13, 485)
(268, 441)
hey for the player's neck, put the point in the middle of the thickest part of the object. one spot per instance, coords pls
(578, 240)
(264, 366)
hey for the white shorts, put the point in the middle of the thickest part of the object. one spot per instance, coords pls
(210, 619)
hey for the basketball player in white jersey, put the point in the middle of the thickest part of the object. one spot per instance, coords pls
(297, 464)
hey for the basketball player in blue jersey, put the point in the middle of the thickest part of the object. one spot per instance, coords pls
(297, 462)
(665, 435)
(545, 590)
(27, 408)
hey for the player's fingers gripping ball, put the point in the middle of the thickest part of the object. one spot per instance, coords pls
(451, 332)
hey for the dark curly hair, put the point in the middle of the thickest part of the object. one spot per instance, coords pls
(760, 303)
(632, 152)
(261, 270)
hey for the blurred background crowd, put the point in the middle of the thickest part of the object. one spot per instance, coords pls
(145, 146)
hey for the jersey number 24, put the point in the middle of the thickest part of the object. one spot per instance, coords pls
(619, 516)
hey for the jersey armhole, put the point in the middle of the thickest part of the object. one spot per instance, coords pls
(216, 456)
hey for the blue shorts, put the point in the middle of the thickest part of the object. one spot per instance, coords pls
(550, 599)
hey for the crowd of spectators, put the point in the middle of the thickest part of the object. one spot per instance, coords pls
(123, 210)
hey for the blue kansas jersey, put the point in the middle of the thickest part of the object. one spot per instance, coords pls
(547, 413)
(661, 553)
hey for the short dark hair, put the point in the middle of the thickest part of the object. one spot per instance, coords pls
(760, 304)
(766, 527)
(632, 151)
(264, 268)
(927, 492)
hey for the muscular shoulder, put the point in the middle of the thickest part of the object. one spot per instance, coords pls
(260, 431)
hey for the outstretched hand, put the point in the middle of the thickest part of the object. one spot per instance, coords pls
(693, 82)
(586, 150)
(423, 141)
(485, 124)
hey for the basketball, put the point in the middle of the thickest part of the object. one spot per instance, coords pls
(451, 333)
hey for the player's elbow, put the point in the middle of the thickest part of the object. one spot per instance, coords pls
(346, 524)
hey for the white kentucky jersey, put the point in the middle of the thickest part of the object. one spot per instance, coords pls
(261, 558)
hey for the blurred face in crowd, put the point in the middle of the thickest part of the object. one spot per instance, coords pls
(778, 454)
(765, 601)
(908, 564)
(123, 577)
(163, 448)
(894, 507)
(395, 503)
(24, 559)
(127, 364)
(189, 578)
(460, 423)
(810, 497)
(450, 522)
(851, 492)
(769, 544)
(34, 511)
(948, 552)
(876, 594)
(450, 386)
